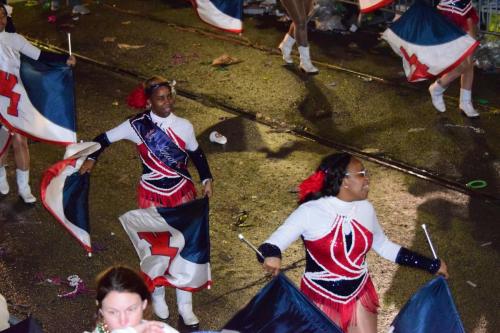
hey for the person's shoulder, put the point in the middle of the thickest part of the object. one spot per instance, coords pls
(365, 206)
(181, 122)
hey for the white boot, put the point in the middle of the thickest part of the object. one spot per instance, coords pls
(305, 61)
(160, 306)
(4, 185)
(286, 47)
(23, 186)
(466, 104)
(185, 306)
(436, 91)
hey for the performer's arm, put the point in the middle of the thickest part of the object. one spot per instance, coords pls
(285, 235)
(200, 162)
(403, 256)
(121, 132)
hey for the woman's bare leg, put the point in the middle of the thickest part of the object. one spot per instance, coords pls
(366, 321)
(21, 152)
(297, 10)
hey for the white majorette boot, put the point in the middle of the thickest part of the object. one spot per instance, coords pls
(4, 185)
(185, 306)
(436, 91)
(160, 306)
(23, 186)
(466, 104)
(305, 61)
(286, 47)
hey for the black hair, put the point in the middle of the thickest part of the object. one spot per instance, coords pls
(335, 167)
(120, 279)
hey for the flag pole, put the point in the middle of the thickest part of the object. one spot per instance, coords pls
(240, 236)
(429, 241)
(69, 43)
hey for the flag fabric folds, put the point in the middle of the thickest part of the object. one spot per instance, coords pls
(222, 14)
(367, 6)
(280, 307)
(29, 325)
(65, 192)
(173, 244)
(428, 43)
(37, 99)
(430, 310)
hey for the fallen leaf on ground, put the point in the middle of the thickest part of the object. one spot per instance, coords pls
(126, 22)
(109, 39)
(130, 47)
(225, 60)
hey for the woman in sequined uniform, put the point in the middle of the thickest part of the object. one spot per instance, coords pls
(339, 226)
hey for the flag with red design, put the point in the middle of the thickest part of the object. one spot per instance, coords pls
(173, 244)
(428, 43)
(37, 98)
(367, 6)
(65, 192)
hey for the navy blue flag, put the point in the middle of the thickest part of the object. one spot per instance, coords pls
(280, 307)
(430, 310)
(29, 325)
(222, 14)
(173, 244)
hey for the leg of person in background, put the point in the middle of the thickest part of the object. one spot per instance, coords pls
(286, 45)
(4, 184)
(298, 10)
(160, 306)
(467, 79)
(185, 306)
(22, 159)
(466, 71)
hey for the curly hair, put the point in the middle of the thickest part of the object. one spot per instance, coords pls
(334, 168)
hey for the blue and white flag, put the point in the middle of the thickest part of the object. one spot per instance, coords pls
(430, 310)
(173, 244)
(223, 14)
(37, 99)
(65, 193)
(429, 44)
(280, 307)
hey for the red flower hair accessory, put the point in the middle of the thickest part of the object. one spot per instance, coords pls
(137, 98)
(312, 184)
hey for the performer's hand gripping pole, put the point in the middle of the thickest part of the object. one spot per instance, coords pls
(429, 241)
(240, 236)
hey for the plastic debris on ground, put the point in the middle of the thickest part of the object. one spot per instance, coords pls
(487, 55)
(328, 16)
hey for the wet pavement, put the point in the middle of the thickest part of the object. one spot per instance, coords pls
(257, 171)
